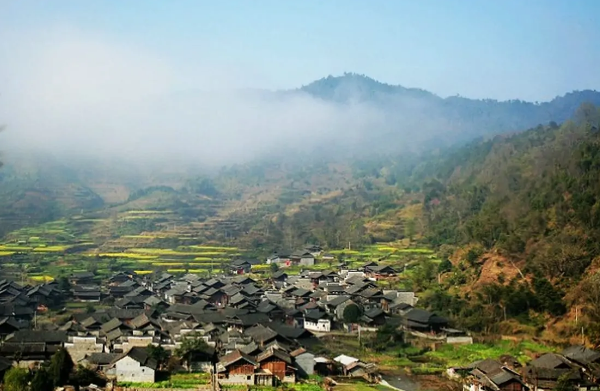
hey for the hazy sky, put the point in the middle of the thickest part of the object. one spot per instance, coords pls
(533, 50)
(101, 76)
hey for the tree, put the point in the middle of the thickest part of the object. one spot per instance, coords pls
(191, 345)
(16, 379)
(352, 313)
(473, 255)
(63, 284)
(85, 376)
(60, 368)
(42, 381)
(386, 337)
(158, 353)
(410, 228)
(445, 266)
(273, 267)
(424, 274)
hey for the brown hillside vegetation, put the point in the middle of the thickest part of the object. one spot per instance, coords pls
(496, 269)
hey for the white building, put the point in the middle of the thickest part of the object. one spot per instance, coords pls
(321, 325)
(136, 366)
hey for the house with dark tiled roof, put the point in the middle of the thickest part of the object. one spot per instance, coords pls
(100, 362)
(302, 257)
(9, 325)
(421, 320)
(374, 317)
(379, 271)
(240, 266)
(87, 293)
(135, 366)
(81, 278)
(236, 368)
(30, 347)
(317, 320)
(304, 361)
(545, 372)
(279, 364)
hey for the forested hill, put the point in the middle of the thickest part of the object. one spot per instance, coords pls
(461, 118)
(525, 209)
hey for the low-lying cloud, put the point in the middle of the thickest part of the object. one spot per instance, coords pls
(74, 93)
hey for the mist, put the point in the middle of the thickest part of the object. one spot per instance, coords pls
(72, 93)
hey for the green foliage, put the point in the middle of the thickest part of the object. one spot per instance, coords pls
(63, 284)
(445, 266)
(424, 274)
(60, 368)
(158, 353)
(459, 355)
(42, 381)
(202, 185)
(534, 196)
(352, 313)
(386, 337)
(191, 345)
(273, 267)
(84, 377)
(16, 379)
(548, 296)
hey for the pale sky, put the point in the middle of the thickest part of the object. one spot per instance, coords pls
(531, 50)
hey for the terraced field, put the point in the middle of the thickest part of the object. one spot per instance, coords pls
(111, 243)
(61, 247)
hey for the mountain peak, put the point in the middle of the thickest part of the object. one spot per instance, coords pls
(358, 87)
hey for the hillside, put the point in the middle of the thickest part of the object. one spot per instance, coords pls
(515, 218)
(358, 176)
(456, 118)
(519, 217)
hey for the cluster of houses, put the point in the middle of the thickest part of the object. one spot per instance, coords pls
(303, 257)
(576, 368)
(261, 333)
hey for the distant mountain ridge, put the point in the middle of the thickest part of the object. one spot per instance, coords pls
(464, 117)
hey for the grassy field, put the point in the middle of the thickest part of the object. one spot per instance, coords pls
(178, 380)
(450, 355)
(425, 361)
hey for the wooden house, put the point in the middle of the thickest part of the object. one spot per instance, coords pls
(236, 368)
(423, 321)
(491, 375)
(279, 363)
(240, 266)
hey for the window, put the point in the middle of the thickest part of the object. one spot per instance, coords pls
(248, 377)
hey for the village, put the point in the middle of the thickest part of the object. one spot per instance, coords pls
(240, 331)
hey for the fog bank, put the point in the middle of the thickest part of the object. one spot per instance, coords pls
(73, 93)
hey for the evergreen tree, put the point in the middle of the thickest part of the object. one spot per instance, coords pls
(352, 313)
(42, 381)
(60, 368)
